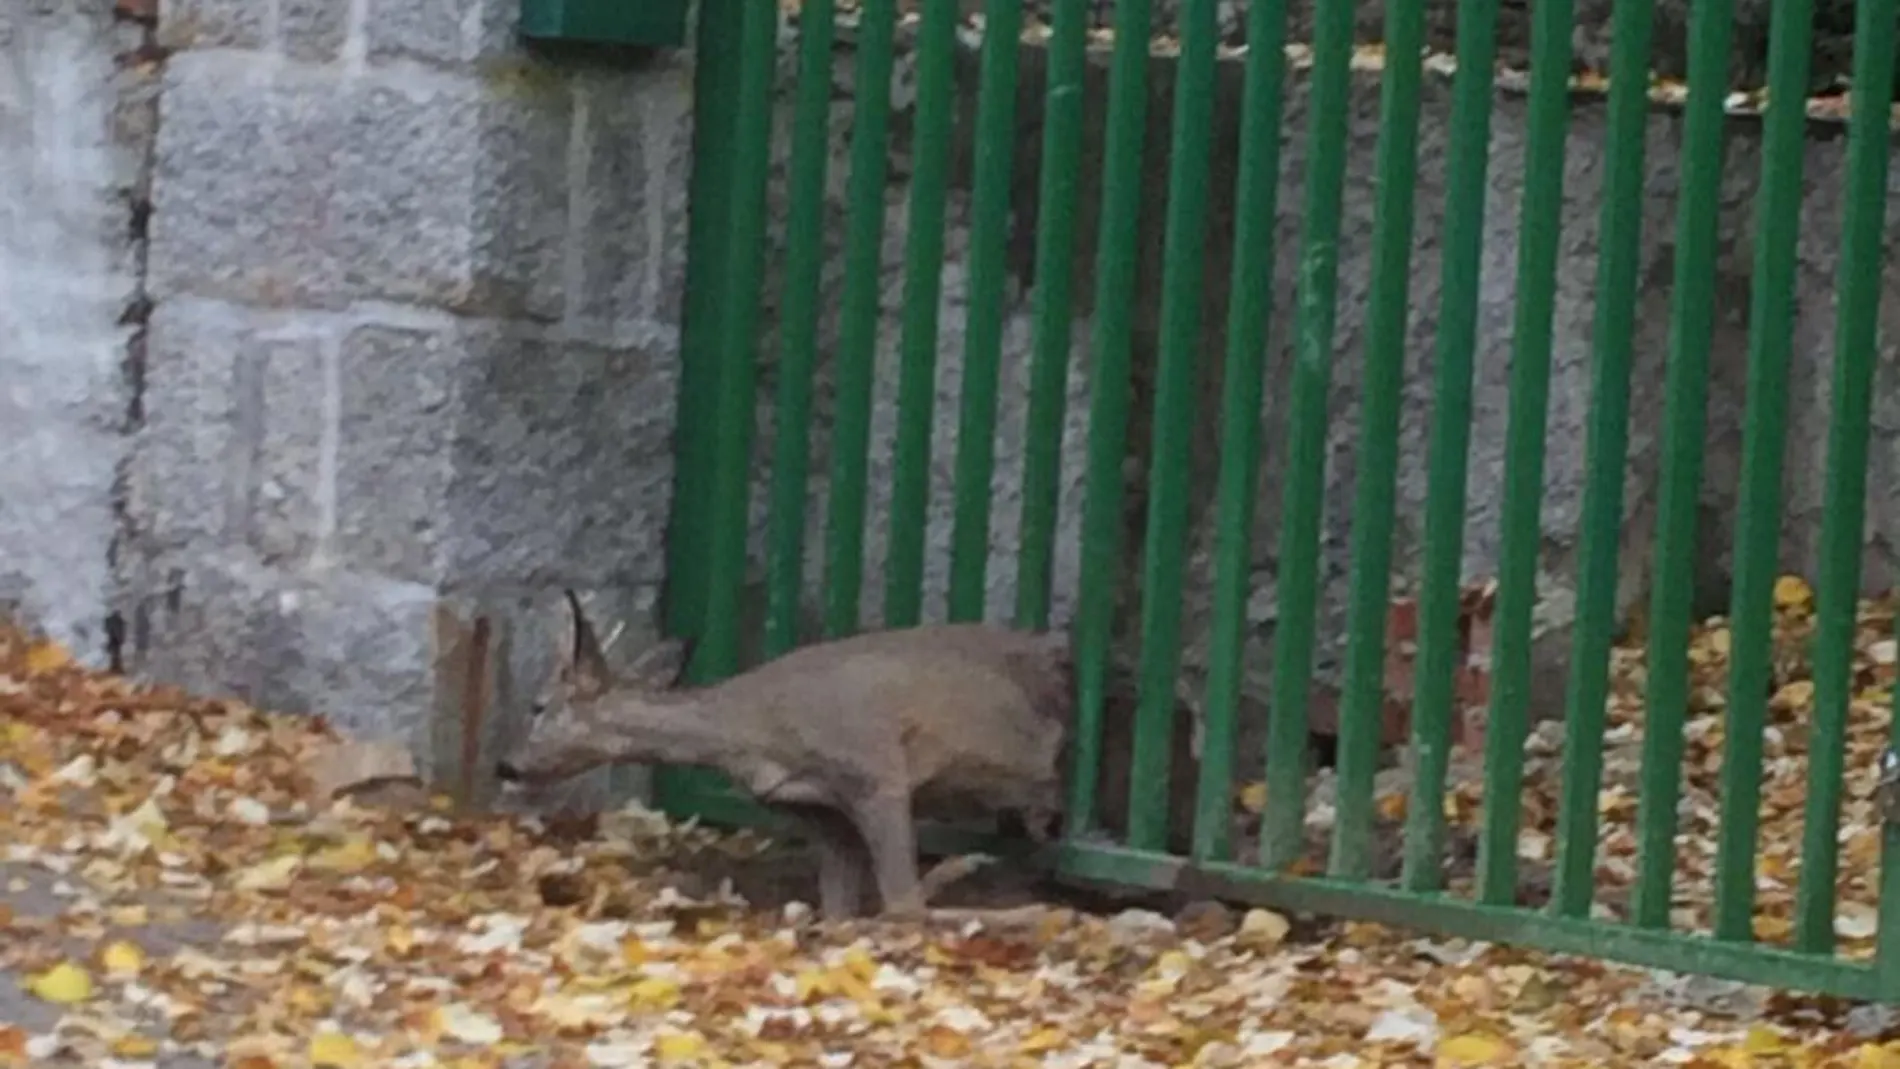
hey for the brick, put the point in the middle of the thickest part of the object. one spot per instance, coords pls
(313, 30)
(446, 32)
(301, 187)
(358, 650)
(563, 463)
(633, 238)
(230, 451)
(193, 24)
(394, 448)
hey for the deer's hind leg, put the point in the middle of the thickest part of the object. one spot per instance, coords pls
(843, 863)
(884, 819)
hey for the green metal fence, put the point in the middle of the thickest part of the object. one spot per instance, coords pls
(725, 342)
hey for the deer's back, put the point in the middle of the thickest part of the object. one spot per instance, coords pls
(964, 709)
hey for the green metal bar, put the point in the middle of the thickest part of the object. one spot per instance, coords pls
(1250, 300)
(1174, 414)
(1465, 184)
(1109, 400)
(923, 286)
(857, 338)
(1328, 100)
(1758, 512)
(1606, 448)
(1049, 360)
(1856, 337)
(739, 315)
(706, 243)
(1458, 918)
(1540, 225)
(1362, 701)
(798, 329)
(983, 322)
(683, 602)
(1692, 321)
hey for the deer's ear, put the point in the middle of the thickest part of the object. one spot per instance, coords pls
(662, 664)
(587, 665)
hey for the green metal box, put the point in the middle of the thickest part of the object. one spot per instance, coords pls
(649, 23)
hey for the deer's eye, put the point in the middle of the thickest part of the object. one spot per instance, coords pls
(537, 708)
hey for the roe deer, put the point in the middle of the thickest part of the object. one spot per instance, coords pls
(846, 734)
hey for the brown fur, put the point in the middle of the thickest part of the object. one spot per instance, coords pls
(951, 718)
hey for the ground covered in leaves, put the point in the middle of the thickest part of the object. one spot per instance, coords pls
(174, 892)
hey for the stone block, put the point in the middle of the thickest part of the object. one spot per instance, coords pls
(301, 187)
(231, 450)
(443, 32)
(394, 444)
(66, 279)
(638, 150)
(360, 651)
(563, 462)
(313, 31)
(185, 25)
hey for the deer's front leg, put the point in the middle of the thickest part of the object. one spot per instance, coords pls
(842, 862)
(884, 818)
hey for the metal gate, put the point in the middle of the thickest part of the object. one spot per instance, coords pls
(728, 339)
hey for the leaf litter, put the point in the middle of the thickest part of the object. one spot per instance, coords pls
(354, 929)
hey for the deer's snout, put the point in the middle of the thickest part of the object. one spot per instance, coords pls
(507, 773)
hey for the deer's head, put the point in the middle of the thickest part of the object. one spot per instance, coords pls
(567, 729)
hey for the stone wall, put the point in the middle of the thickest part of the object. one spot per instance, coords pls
(76, 107)
(412, 357)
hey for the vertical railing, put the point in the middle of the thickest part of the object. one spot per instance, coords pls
(1758, 513)
(1844, 504)
(1605, 448)
(1170, 459)
(1685, 389)
(1049, 359)
(983, 326)
(1388, 299)
(1256, 198)
(798, 328)
(1465, 184)
(1305, 456)
(1108, 406)
(857, 340)
(923, 290)
(1539, 228)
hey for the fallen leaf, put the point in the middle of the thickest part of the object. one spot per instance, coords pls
(64, 983)
(273, 875)
(334, 1050)
(122, 959)
(46, 657)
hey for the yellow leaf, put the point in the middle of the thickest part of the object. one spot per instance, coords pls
(64, 983)
(860, 963)
(1042, 1039)
(943, 1042)
(273, 875)
(335, 1050)
(1253, 797)
(1762, 1039)
(122, 959)
(1876, 1056)
(134, 1046)
(679, 1047)
(1794, 697)
(352, 855)
(1793, 592)
(46, 656)
(1473, 1049)
(654, 993)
